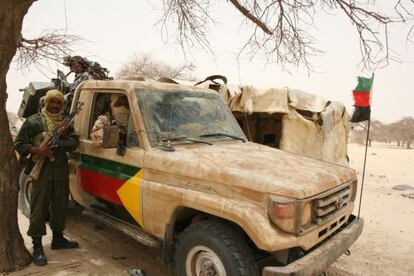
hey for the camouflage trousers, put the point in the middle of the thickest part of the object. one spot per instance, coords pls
(49, 200)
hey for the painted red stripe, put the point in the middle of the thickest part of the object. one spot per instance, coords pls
(100, 185)
(362, 98)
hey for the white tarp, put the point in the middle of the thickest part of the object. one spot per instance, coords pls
(322, 135)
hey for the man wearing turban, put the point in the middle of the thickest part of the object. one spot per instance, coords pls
(50, 192)
(119, 116)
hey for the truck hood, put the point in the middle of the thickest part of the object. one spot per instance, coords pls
(251, 166)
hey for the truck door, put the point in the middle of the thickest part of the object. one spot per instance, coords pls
(114, 180)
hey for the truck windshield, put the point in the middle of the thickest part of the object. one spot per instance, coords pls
(175, 115)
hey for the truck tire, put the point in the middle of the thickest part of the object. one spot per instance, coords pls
(25, 185)
(213, 247)
(25, 188)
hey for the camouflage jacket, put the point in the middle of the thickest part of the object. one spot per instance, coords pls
(30, 135)
(97, 129)
(80, 78)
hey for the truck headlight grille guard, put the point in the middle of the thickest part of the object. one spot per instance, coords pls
(300, 216)
(327, 205)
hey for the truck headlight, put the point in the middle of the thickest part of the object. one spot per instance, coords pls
(288, 214)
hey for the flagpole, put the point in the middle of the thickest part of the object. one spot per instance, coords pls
(365, 155)
(363, 170)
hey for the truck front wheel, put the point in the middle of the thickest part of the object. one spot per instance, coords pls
(25, 186)
(213, 247)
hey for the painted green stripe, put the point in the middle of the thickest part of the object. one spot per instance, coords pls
(107, 167)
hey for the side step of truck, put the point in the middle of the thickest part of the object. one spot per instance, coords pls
(131, 231)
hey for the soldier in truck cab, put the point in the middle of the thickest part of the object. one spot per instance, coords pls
(118, 115)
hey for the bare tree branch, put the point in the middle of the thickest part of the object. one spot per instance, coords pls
(192, 18)
(143, 65)
(281, 28)
(51, 45)
(252, 18)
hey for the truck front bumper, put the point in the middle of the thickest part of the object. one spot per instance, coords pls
(323, 256)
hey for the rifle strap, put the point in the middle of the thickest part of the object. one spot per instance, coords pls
(37, 140)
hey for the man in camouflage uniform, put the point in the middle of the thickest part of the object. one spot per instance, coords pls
(50, 191)
(79, 66)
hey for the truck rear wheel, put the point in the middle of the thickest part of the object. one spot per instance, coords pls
(25, 185)
(216, 248)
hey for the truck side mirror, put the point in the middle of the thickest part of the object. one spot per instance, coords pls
(110, 137)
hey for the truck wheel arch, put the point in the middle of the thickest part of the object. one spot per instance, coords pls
(182, 218)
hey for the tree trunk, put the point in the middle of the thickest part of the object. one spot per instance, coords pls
(408, 144)
(13, 253)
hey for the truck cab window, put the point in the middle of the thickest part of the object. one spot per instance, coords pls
(101, 106)
(112, 123)
(132, 137)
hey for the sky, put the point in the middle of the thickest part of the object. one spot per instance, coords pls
(113, 31)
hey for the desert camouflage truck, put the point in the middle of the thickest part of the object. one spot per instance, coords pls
(191, 184)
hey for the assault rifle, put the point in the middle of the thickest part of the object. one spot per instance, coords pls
(51, 139)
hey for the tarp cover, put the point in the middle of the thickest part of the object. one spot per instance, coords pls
(322, 135)
(249, 99)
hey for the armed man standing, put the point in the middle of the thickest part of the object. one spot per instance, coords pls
(50, 189)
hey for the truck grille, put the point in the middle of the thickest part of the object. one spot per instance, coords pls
(329, 204)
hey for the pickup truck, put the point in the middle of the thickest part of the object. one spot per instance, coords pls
(191, 184)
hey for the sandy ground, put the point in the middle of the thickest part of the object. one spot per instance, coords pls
(386, 246)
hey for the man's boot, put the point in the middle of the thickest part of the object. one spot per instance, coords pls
(60, 242)
(39, 257)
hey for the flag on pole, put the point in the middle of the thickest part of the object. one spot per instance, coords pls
(362, 98)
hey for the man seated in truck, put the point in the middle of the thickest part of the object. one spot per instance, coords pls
(118, 115)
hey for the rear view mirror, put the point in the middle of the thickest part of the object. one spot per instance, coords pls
(110, 137)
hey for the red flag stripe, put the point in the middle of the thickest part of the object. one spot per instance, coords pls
(362, 98)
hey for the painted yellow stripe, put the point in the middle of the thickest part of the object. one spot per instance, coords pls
(131, 196)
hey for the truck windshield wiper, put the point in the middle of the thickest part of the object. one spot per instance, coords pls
(184, 138)
(222, 134)
(193, 140)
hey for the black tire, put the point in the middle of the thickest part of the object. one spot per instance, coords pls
(224, 240)
(25, 185)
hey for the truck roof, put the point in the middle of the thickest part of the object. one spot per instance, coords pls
(129, 85)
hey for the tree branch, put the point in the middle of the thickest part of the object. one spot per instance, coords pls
(143, 65)
(251, 17)
(52, 45)
(282, 28)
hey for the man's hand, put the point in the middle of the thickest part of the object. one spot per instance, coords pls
(63, 132)
(45, 151)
